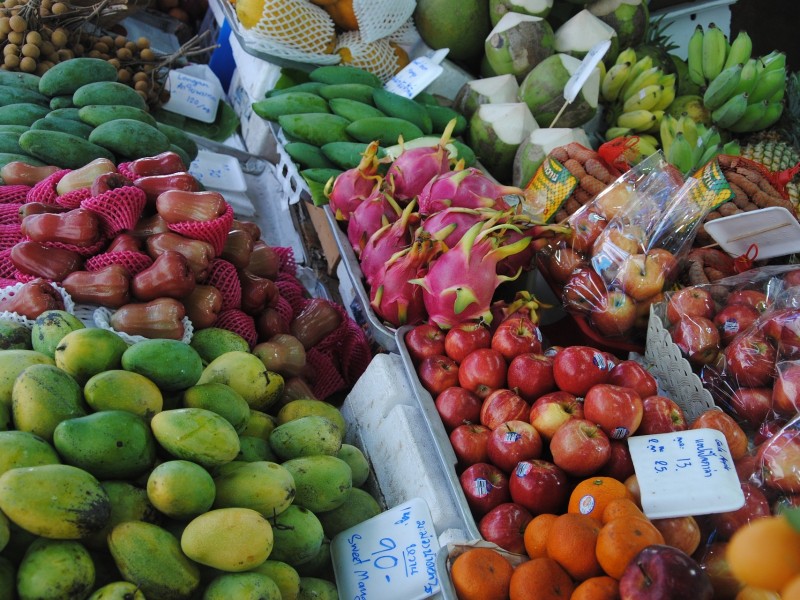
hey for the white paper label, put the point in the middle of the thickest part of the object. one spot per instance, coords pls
(391, 556)
(191, 97)
(414, 77)
(685, 473)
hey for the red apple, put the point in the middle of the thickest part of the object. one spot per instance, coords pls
(754, 298)
(643, 310)
(666, 260)
(780, 457)
(616, 314)
(482, 371)
(437, 373)
(503, 405)
(505, 525)
(512, 442)
(631, 374)
(734, 319)
(469, 444)
(424, 340)
(712, 560)
(617, 410)
(463, 338)
(561, 262)
(619, 464)
(583, 291)
(661, 572)
(531, 375)
(755, 506)
(577, 368)
(791, 278)
(552, 410)
(457, 406)
(540, 486)
(786, 389)
(580, 448)
(753, 405)
(610, 201)
(750, 360)
(682, 533)
(485, 486)
(661, 415)
(642, 275)
(613, 246)
(697, 338)
(783, 328)
(690, 301)
(515, 336)
(585, 227)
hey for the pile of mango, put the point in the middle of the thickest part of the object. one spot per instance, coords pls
(165, 470)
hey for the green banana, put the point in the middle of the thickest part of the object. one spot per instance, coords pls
(714, 49)
(778, 96)
(645, 78)
(646, 145)
(747, 80)
(770, 116)
(695, 56)
(709, 136)
(680, 154)
(646, 98)
(730, 112)
(774, 61)
(722, 87)
(751, 116)
(768, 83)
(614, 79)
(628, 55)
(637, 120)
(733, 148)
(740, 51)
(615, 132)
(709, 152)
(688, 127)
(666, 131)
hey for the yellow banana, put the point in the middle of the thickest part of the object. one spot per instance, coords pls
(654, 127)
(641, 65)
(645, 78)
(628, 55)
(722, 87)
(666, 131)
(688, 127)
(646, 145)
(669, 92)
(616, 132)
(740, 51)
(730, 112)
(615, 78)
(637, 120)
(714, 48)
(695, 56)
(680, 154)
(768, 83)
(645, 98)
(747, 80)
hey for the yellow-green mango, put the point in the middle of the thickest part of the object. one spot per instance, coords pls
(123, 390)
(151, 557)
(264, 486)
(304, 407)
(25, 449)
(322, 481)
(297, 535)
(359, 465)
(14, 336)
(253, 449)
(320, 565)
(284, 575)
(118, 590)
(14, 362)
(181, 489)
(86, 352)
(259, 424)
(128, 503)
(54, 501)
(221, 399)
(42, 397)
(110, 444)
(8, 579)
(306, 436)
(242, 585)
(170, 364)
(50, 327)
(229, 539)
(212, 342)
(314, 588)
(55, 569)
(357, 507)
(245, 373)
(197, 435)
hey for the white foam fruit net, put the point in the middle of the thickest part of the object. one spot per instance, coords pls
(378, 57)
(102, 320)
(11, 291)
(379, 18)
(406, 35)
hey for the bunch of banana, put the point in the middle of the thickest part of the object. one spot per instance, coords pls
(637, 93)
(689, 145)
(743, 93)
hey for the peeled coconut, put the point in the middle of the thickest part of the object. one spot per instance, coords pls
(495, 133)
(543, 91)
(534, 8)
(582, 32)
(518, 43)
(628, 18)
(535, 148)
(490, 90)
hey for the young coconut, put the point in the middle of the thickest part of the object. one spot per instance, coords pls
(495, 133)
(534, 8)
(628, 18)
(582, 32)
(491, 90)
(535, 148)
(543, 91)
(518, 43)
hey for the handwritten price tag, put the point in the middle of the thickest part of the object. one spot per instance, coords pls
(685, 473)
(191, 97)
(391, 556)
(414, 77)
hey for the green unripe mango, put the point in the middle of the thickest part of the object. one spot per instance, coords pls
(55, 569)
(43, 396)
(314, 588)
(212, 342)
(118, 590)
(358, 506)
(124, 390)
(306, 436)
(14, 336)
(303, 407)
(266, 487)
(86, 352)
(50, 327)
(254, 449)
(25, 449)
(297, 535)
(246, 374)
(259, 424)
(221, 399)
(359, 465)
(181, 489)
(242, 585)
(128, 503)
(322, 482)
(197, 435)
(14, 362)
(284, 575)
(170, 364)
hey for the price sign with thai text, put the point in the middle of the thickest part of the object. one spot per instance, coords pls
(417, 75)
(685, 473)
(391, 556)
(191, 97)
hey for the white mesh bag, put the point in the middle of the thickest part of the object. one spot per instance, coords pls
(377, 57)
(406, 35)
(102, 319)
(11, 291)
(379, 18)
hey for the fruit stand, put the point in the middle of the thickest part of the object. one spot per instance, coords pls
(452, 299)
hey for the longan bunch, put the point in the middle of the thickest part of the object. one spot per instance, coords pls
(28, 46)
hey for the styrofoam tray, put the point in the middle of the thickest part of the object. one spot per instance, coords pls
(774, 230)
(218, 171)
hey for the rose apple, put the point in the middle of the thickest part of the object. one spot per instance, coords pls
(754, 298)
(736, 438)
(712, 560)
(619, 464)
(661, 572)
(755, 506)
(485, 486)
(754, 405)
(780, 457)
(515, 336)
(424, 340)
(512, 442)
(585, 227)
(682, 533)
(690, 301)
(561, 262)
(552, 410)
(631, 374)
(583, 291)
(503, 405)
(437, 373)
(643, 275)
(577, 368)
(616, 314)
(505, 526)
(463, 338)
(661, 415)
(531, 375)
(457, 406)
(540, 486)
(482, 371)
(697, 338)
(786, 389)
(469, 444)
(580, 448)
(734, 319)
(617, 410)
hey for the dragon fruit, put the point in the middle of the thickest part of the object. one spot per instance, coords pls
(468, 188)
(450, 224)
(460, 283)
(415, 167)
(394, 297)
(529, 228)
(351, 188)
(373, 213)
(385, 242)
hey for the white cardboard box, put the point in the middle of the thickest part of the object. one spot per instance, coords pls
(257, 133)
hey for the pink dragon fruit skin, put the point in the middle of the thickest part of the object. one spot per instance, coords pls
(351, 188)
(387, 241)
(450, 224)
(369, 216)
(468, 188)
